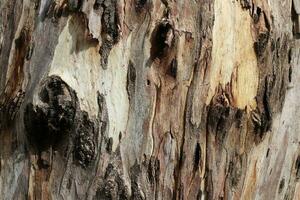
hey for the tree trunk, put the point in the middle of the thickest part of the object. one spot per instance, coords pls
(141, 99)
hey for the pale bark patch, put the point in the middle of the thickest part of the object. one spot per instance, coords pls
(233, 57)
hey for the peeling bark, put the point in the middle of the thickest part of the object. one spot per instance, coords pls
(140, 99)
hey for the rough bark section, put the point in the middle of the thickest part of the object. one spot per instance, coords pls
(192, 165)
(135, 100)
(233, 133)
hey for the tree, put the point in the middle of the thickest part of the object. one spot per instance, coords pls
(140, 99)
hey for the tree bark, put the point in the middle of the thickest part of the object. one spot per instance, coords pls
(141, 99)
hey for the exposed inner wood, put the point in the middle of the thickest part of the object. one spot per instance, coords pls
(233, 58)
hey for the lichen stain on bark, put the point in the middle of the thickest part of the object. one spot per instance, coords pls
(233, 57)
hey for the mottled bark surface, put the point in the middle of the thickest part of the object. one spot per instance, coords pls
(141, 99)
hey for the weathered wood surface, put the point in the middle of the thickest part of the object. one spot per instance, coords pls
(140, 99)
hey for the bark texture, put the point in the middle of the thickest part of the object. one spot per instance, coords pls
(149, 99)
